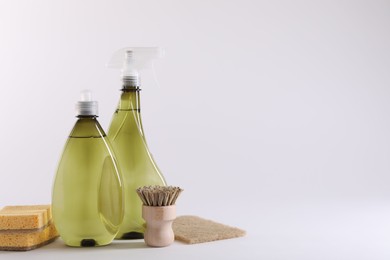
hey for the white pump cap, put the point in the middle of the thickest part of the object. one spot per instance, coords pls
(86, 106)
(133, 59)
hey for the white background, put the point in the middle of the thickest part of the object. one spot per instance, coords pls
(272, 115)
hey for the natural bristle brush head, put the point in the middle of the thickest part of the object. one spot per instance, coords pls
(159, 211)
(159, 196)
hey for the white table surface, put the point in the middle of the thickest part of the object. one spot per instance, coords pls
(327, 230)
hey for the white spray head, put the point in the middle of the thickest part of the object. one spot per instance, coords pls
(86, 106)
(131, 60)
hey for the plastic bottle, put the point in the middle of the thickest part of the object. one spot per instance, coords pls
(87, 201)
(128, 139)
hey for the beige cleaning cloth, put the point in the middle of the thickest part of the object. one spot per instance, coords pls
(193, 230)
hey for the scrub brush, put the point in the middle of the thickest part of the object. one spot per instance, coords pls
(159, 211)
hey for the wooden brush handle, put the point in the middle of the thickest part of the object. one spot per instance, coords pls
(159, 220)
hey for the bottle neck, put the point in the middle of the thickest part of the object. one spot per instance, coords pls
(130, 99)
(89, 117)
(86, 127)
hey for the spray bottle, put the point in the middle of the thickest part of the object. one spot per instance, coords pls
(128, 139)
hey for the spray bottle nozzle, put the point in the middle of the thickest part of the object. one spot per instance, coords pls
(129, 54)
(131, 60)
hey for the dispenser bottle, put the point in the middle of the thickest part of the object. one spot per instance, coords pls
(87, 199)
(128, 139)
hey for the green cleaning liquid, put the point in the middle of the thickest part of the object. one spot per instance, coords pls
(136, 162)
(87, 199)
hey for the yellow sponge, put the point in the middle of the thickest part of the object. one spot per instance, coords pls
(26, 227)
(46, 208)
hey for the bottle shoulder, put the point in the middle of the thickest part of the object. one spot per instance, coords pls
(87, 128)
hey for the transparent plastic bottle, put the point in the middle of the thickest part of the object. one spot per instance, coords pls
(128, 140)
(87, 200)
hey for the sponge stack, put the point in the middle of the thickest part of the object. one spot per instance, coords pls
(24, 228)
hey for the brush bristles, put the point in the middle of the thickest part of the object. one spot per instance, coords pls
(159, 196)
